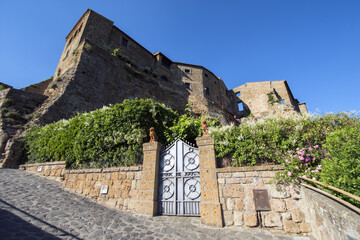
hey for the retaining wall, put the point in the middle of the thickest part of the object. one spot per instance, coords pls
(236, 186)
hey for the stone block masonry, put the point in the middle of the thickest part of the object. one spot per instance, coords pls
(52, 170)
(236, 186)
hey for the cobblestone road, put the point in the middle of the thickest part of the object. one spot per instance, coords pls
(32, 207)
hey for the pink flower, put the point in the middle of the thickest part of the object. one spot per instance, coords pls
(308, 155)
(297, 149)
(314, 178)
(304, 176)
(314, 159)
(289, 173)
(307, 159)
(309, 169)
(306, 164)
(296, 167)
(310, 149)
(291, 187)
(301, 158)
(316, 146)
(274, 160)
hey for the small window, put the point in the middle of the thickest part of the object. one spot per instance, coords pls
(188, 85)
(124, 42)
(207, 91)
(67, 54)
(163, 78)
(187, 71)
(217, 97)
(206, 75)
(215, 82)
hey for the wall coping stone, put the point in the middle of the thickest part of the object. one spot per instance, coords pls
(251, 168)
(104, 170)
(42, 164)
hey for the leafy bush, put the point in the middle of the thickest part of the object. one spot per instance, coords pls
(2, 87)
(88, 48)
(341, 167)
(111, 136)
(12, 114)
(7, 102)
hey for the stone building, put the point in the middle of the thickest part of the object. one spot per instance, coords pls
(102, 65)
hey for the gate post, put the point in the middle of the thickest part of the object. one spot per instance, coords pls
(147, 203)
(210, 208)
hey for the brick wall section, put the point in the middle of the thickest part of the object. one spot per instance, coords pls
(52, 170)
(149, 179)
(210, 208)
(123, 185)
(236, 196)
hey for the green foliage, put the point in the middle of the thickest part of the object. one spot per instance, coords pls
(262, 141)
(111, 136)
(271, 98)
(53, 85)
(88, 48)
(108, 48)
(12, 114)
(7, 102)
(341, 167)
(188, 128)
(58, 79)
(2, 87)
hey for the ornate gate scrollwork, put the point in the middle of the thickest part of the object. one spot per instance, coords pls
(179, 180)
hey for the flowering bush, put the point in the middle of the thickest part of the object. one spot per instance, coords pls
(303, 163)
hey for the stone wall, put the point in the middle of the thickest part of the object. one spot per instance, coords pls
(236, 196)
(123, 185)
(329, 216)
(52, 170)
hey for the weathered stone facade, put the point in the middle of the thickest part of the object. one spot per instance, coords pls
(90, 74)
(268, 98)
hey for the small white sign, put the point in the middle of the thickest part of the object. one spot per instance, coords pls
(104, 189)
(40, 168)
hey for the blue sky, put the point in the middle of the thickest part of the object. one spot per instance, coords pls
(313, 44)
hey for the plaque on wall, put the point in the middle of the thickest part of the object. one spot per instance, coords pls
(39, 169)
(261, 199)
(104, 189)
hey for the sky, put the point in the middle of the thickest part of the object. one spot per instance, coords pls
(313, 44)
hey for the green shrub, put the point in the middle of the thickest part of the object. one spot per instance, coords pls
(53, 85)
(2, 87)
(111, 136)
(271, 98)
(341, 167)
(108, 48)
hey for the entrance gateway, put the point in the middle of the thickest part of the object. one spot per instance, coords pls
(179, 180)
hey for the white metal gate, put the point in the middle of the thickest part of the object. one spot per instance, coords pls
(179, 180)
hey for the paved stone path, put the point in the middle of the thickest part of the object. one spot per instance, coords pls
(32, 207)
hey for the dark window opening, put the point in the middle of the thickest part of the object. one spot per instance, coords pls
(188, 71)
(217, 97)
(67, 54)
(215, 82)
(124, 42)
(166, 62)
(163, 78)
(207, 91)
(188, 85)
(206, 75)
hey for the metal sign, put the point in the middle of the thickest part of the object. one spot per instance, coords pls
(104, 189)
(179, 185)
(261, 199)
(39, 169)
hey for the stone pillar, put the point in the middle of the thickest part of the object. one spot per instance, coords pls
(149, 179)
(210, 208)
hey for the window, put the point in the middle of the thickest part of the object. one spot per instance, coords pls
(163, 78)
(187, 71)
(207, 91)
(165, 62)
(205, 74)
(67, 54)
(124, 42)
(188, 85)
(215, 82)
(217, 97)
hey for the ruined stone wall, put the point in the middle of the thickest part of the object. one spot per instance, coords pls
(236, 196)
(17, 109)
(302, 108)
(38, 88)
(254, 97)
